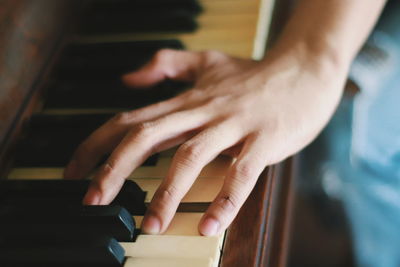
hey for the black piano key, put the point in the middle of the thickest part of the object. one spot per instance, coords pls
(80, 251)
(192, 6)
(125, 22)
(66, 221)
(131, 197)
(62, 192)
(110, 94)
(102, 61)
(51, 139)
(126, 16)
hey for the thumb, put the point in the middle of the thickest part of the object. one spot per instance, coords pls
(166, 64)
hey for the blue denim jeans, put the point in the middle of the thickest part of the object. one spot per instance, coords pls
(371, 190)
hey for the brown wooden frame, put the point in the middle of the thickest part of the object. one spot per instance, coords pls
(31, 34)
(259, 234)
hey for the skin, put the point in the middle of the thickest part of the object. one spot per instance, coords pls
(259, 112)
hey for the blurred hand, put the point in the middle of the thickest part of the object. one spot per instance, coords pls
(261, 112)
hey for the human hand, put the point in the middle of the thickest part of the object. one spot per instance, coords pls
(261, 112)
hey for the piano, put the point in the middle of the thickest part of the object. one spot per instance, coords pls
(60, 63)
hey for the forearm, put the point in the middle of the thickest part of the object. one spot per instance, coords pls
(329, 30)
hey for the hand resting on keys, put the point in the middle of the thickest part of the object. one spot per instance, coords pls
(259, 112)
(262, 112)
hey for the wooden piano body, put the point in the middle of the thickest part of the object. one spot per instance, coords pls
(34, 32)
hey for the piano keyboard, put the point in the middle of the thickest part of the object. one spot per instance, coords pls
(93, 62)
(237, 27)
(48, 211)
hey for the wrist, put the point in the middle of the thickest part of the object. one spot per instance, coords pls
(319, 57)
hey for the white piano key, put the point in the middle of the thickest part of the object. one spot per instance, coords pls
(216, 168)
(173, 246)
(184, 224)
(35, 173)
(157, 171)
(203, 189)
(165, 262)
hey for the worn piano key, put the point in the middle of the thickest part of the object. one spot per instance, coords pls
(61, 192)
(63, 222)
(169, 246)
(184, 224)
(102, 61)
(216, 168)
(128, 17)
(166, 262)
(51, 140)
(202, 190)
(81, 251)
(155, 167)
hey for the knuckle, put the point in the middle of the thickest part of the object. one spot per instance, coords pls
(243, 170)
(105, 178)
(162, 55)
(144, 130)
(218, 101)
(191, 152)
(121, 118)
(192, 94)
(168, 194)
(108, 168)
(213, 54)
(211, 57)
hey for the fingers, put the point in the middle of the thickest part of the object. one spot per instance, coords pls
(187, 163)
(238, 184)
(136, 146)
(166, 64)
(110, 134)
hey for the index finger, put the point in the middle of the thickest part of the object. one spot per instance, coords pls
(110, 134)
(135, 148)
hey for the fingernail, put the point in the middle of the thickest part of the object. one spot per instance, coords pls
(151, 225)
(209, 227)
(92, 197)
(71, 170)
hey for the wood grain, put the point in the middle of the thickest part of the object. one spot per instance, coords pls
(29, 33)
(258, 235)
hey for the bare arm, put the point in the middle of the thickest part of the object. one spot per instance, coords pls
(262, 112)
(333, 28)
